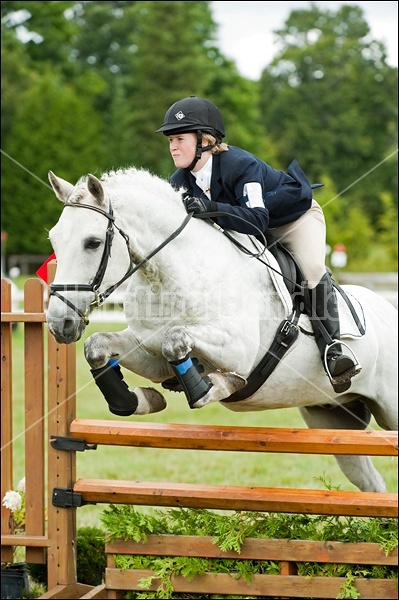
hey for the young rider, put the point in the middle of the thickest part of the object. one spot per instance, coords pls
(221, 178)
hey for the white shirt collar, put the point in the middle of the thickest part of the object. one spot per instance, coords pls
(203, 176)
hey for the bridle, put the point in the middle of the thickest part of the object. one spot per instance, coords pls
(100, 297)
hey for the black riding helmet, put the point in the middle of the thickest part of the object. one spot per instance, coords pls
(194, 115)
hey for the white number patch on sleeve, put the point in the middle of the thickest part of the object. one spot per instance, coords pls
(253, 191)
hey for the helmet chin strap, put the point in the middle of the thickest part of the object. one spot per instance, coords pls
(199, 150)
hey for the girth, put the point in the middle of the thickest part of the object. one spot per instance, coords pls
(286, 335)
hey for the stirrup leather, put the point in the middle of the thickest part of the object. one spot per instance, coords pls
(346, 375)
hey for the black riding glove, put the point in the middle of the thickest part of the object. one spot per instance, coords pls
(199, 205)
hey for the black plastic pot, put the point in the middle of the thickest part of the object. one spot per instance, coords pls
(14, 581)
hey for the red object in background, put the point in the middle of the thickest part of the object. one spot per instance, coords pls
(42, 270)
(339, 248)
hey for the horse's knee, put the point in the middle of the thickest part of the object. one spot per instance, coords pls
(96, 350)
(177, 343)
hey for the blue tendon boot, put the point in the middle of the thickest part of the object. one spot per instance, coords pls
(194, 386)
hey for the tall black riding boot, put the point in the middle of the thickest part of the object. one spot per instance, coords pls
(339, 367)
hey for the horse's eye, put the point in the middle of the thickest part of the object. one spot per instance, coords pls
(92, 244)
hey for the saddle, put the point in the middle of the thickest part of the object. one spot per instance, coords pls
(290, 270)
(351, 313)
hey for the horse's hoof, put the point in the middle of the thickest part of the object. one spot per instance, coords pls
(149, 401)
(172, 385)
(224, 384)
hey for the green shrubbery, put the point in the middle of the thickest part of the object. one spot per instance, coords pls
(91, 559)
(125, 522)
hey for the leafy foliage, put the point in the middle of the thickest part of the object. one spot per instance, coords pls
(90, 558)
(88, 83)
(337, 79)
(126, 522)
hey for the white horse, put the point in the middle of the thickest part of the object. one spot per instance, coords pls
(195, 294)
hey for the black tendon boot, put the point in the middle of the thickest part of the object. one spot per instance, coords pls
(339, 367)
(121, 401)
(173, 384)
(188, 374)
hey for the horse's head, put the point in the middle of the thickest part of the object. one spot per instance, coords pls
(82, 241)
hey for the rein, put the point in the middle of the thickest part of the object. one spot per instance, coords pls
(100, 297)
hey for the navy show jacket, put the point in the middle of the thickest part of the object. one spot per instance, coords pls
(286, 195)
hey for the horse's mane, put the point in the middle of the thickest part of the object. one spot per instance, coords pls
(140, 178)
(139, 181)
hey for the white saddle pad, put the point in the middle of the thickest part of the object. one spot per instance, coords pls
(347, 323)
(348, 326)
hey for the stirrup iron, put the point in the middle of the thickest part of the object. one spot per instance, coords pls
(348, 374)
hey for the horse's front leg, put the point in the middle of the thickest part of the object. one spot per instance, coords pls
(219, 353)
(104, 352)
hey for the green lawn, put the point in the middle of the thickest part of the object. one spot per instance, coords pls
(271, 470)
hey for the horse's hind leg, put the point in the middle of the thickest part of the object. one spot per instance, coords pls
(385, 412)
(355, 415)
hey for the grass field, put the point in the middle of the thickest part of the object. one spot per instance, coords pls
(279, 470)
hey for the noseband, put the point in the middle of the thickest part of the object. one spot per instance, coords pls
(100, 297)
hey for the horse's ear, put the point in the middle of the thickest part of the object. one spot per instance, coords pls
(95, 188)
(62, 188)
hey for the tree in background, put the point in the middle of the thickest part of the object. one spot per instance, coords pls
(328, 97)
(152, 54)
(171, 61)
(60, 124)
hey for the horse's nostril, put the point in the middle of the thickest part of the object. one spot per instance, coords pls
(69, 325)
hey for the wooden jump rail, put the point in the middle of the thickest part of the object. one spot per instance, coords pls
(60, 493)
(238, 439)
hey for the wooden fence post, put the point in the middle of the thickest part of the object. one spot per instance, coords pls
(34, 420)
(6, 415)
(61, 465)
